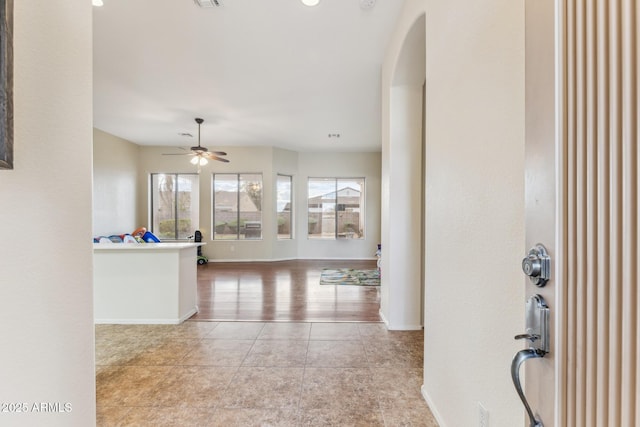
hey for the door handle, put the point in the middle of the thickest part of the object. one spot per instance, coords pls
(537, 334)
(521, 357)
(530, 337)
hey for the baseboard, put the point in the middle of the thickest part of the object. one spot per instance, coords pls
(137, 321)
(398, 327)
(384, 319)
(405, 328)
(211, 260)
(147, 321)
(432, 406)
(338, 259)
(189, 313)
(250, 260)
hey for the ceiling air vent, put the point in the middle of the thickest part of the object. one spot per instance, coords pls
(208, 3)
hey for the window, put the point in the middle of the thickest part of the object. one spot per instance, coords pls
(237, 213)
(175, 209)
(336, 208)
(284, 207)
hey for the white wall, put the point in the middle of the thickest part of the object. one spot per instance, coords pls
(285, 162)
(46, 316)
(402, 152)
(474, 236)
(115, 189)
(340, 165)
(270, 161)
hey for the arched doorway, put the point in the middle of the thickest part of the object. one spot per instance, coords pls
(403, 186)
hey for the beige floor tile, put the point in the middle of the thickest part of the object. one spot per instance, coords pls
(398, 386)
(218, 352)
(168, 417)
(342, 417)
(194, 386)
(285, 331)
(169, 351)
(409, 416)
(378, 331)
(264, 388)
(336, 354)
(133, 331)
(394, 353)
(191, 330)
(237, 330)
(277, 353)
(124, 350)
(255, 373)
(334, 331)
(338, 388)
(255, 417)
(130, 385)
(110, 416)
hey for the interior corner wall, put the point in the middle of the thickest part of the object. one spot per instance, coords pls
(285, 162)
(402, 251)
(115, 188)
(46, 255)
(242, 160)
(474, 301)
(402, 148)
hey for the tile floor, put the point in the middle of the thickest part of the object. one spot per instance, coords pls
(259, 374)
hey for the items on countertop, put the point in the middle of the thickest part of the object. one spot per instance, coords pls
(139, 235)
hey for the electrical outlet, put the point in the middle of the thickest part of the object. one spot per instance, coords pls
(483, 416)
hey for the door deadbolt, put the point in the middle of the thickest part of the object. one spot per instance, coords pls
(537, 265)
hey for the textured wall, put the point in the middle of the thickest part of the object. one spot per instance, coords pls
(46, 314)
(474, 174)
(115, 189)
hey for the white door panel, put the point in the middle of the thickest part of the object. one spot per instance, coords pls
(582, 197)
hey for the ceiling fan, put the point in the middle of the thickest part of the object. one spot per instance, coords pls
(199, 153)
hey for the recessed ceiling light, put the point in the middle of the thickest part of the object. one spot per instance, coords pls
(310, 2)
(367, 4)
(97, 2)
(208, 3)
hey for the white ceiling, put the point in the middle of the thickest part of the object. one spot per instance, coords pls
(259, 72)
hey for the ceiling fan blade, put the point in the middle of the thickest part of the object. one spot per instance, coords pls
(218, 153)
(178, 154)
(214, 157)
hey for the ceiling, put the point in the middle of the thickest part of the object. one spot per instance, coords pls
(259, 72)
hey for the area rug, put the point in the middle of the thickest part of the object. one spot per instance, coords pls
(349, 276)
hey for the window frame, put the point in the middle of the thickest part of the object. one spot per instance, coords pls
(176, 218)
(336, 190)
(215, 235)
(291, 207)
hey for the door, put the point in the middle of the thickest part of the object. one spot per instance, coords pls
(540, 189)
(582, 204)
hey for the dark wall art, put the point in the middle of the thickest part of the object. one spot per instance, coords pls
(6, 84)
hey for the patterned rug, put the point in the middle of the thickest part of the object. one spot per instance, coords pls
(349, 276)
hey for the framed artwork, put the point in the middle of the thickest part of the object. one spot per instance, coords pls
(6, 84)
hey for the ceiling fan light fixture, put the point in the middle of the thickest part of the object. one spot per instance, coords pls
(310, 2)
(201, 155)
(199, 160)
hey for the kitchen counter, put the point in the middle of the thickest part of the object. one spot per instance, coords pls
(144, 283)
